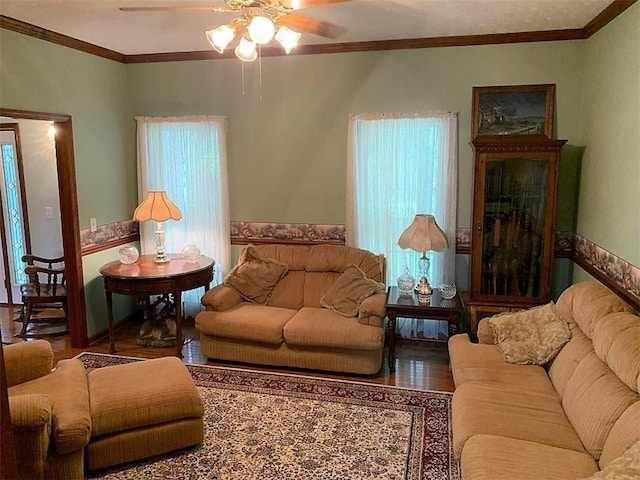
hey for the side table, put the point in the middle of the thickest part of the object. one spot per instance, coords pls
(145, 278)
(407, 306)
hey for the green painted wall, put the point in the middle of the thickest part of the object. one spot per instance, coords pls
(287, 135)
(40, 76)
(287, 138)
(608, 211)
(43, 77)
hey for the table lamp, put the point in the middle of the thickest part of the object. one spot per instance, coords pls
(423, 235)
(157, 206)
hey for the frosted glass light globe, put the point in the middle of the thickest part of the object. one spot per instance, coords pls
(246, 50)
(220, 37)
(261, 30)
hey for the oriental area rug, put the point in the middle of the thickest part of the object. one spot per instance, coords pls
(273, 426)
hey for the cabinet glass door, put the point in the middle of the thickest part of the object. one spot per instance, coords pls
(513, 227)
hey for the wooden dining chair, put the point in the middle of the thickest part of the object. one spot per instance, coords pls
(44, 295)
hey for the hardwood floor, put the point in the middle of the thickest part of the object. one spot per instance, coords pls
(419, 365)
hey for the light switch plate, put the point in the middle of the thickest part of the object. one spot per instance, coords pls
(93, 226)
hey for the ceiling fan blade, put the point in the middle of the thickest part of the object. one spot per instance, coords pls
(177, 9)
(302, 23)
(296, 4)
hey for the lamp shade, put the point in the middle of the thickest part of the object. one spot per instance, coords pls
(423, 235)
(220, 37)
(287, 38)
(157, 206)
(246, 50)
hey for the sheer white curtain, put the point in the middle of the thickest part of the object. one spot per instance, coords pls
(187, 158)
(400, 165)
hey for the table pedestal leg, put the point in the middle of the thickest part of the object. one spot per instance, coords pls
(391, 335)
(112, 346)
(177, 295)
(453, 327)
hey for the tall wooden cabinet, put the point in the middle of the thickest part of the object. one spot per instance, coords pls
(513, 229)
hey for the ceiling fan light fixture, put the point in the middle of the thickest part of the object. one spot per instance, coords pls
(246, 50)
(261, 29)
(220, 37)
(287, 38)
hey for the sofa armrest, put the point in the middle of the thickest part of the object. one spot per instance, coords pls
(221, 298)
(31, 412)
(373, 306)
(485, 332)
(32, 421)
(27, 360)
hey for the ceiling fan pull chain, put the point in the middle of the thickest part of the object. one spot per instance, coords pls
(260, 71)
(242, 67)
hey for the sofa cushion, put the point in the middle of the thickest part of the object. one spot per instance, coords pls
(255, 277)
(289, 292)
(587, 302)
(616, 341)
(67, 385)
(564, 365)
(473, 362)
(625, 467)
(349, 290)
(489, 457)
(624, 433)
(510, 412)
(247, 321)
(531, 336)
(319, 327)
(594, 400)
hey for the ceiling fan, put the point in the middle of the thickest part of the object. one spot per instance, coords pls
(258, 22)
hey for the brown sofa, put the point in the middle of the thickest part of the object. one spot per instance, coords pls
(291, 328)
(566, 420)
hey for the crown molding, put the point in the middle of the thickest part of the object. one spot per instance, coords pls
(58, 38)
(603, 18)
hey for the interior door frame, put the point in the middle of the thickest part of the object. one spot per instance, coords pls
(15, 128)
(68, 193)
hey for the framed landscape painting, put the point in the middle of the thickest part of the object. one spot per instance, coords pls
(517, 110)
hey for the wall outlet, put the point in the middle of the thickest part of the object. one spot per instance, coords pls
(48, 213)
(93, 226)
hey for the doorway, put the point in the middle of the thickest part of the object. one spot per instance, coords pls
(14, 221)
(69, 221)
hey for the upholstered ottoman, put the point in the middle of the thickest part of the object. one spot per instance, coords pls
(142, 409)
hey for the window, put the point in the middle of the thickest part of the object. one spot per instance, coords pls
(186, 157)
(400, 165)
(13, 213)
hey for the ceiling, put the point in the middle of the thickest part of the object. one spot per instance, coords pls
(101, 23)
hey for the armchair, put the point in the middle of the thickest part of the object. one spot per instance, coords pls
(49, 411)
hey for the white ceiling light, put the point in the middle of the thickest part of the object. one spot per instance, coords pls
(287, 38)
(261, 30)
(220, 37)
(246, 50)
(258, 23)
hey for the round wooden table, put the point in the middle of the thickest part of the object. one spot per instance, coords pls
(145, 278)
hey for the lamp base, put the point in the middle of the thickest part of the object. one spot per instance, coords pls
(161, 258)
(423, 286)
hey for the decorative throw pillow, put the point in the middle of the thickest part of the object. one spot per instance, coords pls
(255, 277)
(625, 467)
(532, 336)
(349, 290)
